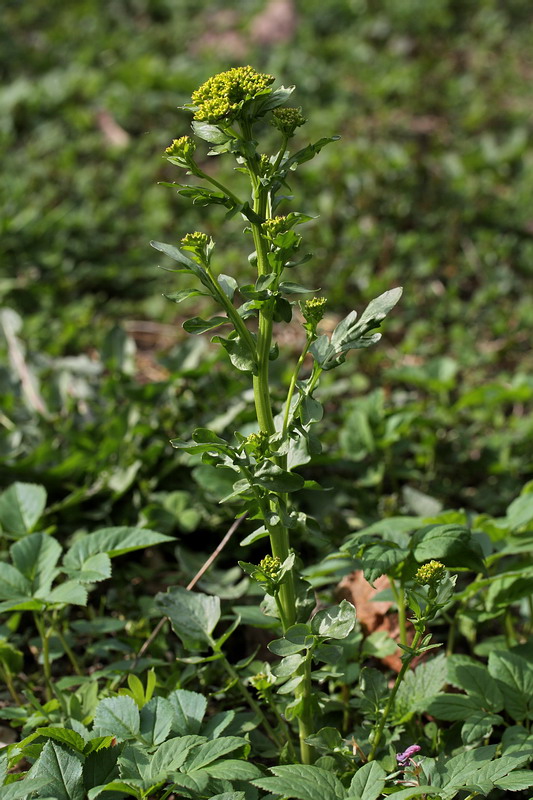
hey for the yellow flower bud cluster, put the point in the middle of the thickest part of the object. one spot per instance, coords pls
(287, 120)
(313, 309)
(222, 94)
(271, 566)
(271, 227)
(430, 573)
(258, 442)
(195, 240)
(182, 148)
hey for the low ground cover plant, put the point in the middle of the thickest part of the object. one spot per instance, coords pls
(206, 707)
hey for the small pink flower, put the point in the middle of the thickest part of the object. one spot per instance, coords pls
(403, 758)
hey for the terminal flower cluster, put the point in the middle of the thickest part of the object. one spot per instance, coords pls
(313, 309)
(430, 573)
(222, 95)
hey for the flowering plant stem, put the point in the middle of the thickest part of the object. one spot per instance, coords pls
(279, 535)
(408, 657)
(226, 108)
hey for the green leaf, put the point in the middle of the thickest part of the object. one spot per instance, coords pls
(474, 678)
(419, 686)
(116, 786)
(199, 325)
(520, 512)
(94, 569)
(11, 658)
(189, 710)
(209, 133)
(478, 726)
(303, 782)
(13, 584)
(23, 789)
(134, 763)
(310, 410)
(228, 285)
(171, 754)
(451, 544)
(289, 287)
(368, 782)
(514, 677)
(63, 770)
(381, 558)
(334, 623)
(205, 754)
(275, 479)
(516, 781)
(184, 294)
(64, 736)
(70, 592)
(156, 720)
(193, 615)
(21, 507)
(238, 352)
(36, 556)
(452, 707)
(114, 542)
(117, 716)
(414, 791)
(176, 255)
(232, 769)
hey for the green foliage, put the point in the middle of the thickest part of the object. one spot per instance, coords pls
(109, 709)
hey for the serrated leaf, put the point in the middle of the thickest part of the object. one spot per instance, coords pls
(452, 707)
(36, 556)
(232, 769)
(156, 720)
(64, 736)
(21, 790)
(303, 782)
(474, 678)
(70, 592)
(117, 716)
(514, 677)
(516, 781)
(21, 507)
(114, 541)
(94, 569)
(13, 584)
(478, 726)
(189, 710)
(134, 763)
(193, 615)
(419, 686)
(452, 544)
(368, 782)
(63, 770)
(334, 623)
(205, 754)
(171, 754)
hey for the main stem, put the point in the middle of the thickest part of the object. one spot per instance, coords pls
(392, 696)
(279, 535)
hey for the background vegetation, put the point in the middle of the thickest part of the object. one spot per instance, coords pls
(429, 187)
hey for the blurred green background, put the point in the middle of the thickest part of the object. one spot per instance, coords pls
(429, 187)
